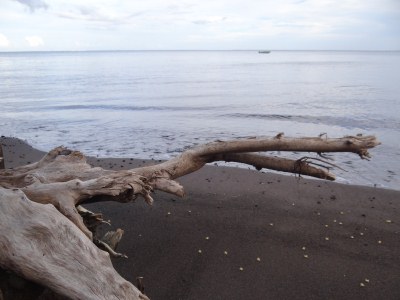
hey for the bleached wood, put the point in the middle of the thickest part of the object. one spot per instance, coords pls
(195, 158)
(41, 245)
(44, 238)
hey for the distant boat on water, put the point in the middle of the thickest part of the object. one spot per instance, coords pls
(264, 51)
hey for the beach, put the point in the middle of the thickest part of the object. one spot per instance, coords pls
(243, 234)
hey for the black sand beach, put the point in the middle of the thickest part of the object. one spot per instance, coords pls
(243, 234)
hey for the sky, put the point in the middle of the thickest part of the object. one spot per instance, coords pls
(73, 25)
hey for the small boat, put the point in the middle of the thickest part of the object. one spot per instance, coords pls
(264, 51)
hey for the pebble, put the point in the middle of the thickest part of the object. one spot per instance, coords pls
(305, 256)
(241, 269)
(352, 236)
(258, 259)
(388, 221)
(326, 238)
(200, 251)
(271, 224)
(226, 252)
(207, 238)
(362, 284)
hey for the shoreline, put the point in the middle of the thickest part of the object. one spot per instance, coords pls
(293, 238)
(139, 161)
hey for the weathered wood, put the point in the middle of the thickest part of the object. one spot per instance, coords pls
(49, 239)
(41, 245)
(195, 158)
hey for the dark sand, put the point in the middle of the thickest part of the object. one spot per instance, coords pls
(352, 251)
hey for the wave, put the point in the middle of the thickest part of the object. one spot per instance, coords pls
(125, 107)
(347, 122)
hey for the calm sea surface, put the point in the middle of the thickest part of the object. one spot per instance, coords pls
(154, 104)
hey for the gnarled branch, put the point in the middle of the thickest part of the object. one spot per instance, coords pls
(52, 243)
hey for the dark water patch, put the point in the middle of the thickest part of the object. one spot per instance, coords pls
(307, 63)
(80, 142)
(354, 86)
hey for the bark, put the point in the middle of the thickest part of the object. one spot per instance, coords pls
(48, 238)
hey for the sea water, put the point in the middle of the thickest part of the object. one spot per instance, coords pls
(155, 104)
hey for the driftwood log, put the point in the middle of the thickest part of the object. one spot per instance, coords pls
(49, 239)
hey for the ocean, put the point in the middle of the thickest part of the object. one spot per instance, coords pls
(155, 104)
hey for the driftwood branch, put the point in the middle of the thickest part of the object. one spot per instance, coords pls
(195, 158)
(50, 239)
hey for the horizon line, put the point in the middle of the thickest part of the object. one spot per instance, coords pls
(199, 50)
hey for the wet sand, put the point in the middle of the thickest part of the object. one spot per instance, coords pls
(243, 234)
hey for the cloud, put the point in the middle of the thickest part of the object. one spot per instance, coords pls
(4, 42)
(98, 15)
(209, 20)
(34, 4)
(34, 41)
(216, 24)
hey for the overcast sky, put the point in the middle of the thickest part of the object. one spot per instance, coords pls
(27, 25)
